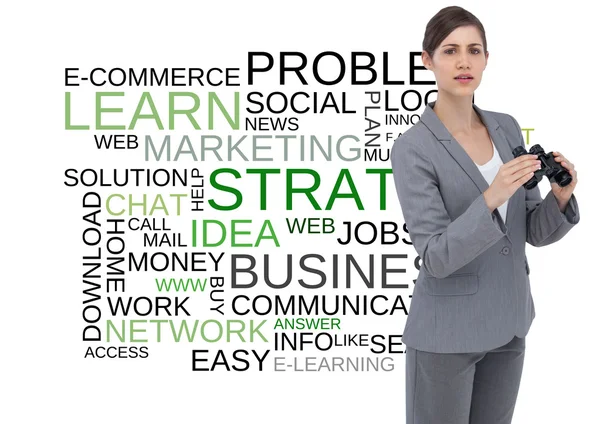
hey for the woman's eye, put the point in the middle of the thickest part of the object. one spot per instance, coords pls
(473, 50)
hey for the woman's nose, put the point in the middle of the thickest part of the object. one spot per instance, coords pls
(463, 60)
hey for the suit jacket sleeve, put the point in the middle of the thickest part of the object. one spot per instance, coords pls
(443, 245)
(546, 224)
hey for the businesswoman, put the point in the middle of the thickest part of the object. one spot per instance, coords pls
(469, 218)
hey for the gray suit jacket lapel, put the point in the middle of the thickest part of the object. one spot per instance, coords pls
(431, 120)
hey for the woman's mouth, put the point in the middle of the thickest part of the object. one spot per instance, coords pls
(464, 80)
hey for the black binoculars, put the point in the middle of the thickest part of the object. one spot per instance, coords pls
(555, 172)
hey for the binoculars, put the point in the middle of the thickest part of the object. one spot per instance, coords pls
(555, 172)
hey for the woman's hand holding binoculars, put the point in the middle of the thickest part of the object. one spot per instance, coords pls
(510, 177)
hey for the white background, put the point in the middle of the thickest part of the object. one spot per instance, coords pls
(542, 70)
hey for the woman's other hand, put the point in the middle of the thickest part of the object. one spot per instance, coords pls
(563, 194)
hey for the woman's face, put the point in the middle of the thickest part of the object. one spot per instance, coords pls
(459, 53)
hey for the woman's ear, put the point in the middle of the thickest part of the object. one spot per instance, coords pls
(426, 59)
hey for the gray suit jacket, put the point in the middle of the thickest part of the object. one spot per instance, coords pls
(472, 293)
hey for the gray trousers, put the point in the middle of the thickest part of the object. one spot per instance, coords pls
(463, 388)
